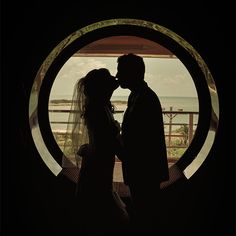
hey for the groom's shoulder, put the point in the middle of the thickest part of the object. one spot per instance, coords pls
(150, 93)
(148, 96)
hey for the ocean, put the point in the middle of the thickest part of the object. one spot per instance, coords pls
(167, 103)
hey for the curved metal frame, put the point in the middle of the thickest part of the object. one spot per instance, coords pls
(200, 147)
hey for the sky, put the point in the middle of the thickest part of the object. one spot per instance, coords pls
(166, 76)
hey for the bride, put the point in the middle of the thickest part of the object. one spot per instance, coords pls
(95, 139)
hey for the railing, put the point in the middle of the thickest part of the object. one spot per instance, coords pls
(177, 140)
(180, 138)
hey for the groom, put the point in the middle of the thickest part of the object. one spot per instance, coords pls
(145, 163)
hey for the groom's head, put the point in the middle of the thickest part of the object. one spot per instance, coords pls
(130, 70)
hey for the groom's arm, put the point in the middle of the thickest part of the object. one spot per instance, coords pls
(119, 148)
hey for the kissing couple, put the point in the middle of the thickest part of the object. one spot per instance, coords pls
(139, 143)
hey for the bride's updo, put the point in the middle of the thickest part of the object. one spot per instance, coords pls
(98, 82)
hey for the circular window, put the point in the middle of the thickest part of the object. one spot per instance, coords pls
(202, 121)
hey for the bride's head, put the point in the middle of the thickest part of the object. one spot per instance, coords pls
(98, 85)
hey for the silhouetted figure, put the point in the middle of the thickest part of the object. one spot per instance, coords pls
(145, 161)
(100, 208)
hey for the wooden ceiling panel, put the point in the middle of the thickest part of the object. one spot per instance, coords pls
(118, 45)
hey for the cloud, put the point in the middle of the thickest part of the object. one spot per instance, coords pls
(74, 69)
(169, 82)
(167, 77)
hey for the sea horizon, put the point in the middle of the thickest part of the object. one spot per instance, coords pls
(167, 103)
(69, 96)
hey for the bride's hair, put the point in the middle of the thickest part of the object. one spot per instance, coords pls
(87, 90)
(92, 86)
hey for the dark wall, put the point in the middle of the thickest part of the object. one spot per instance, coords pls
(34, 201)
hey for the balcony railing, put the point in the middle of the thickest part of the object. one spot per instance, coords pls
(178, 133)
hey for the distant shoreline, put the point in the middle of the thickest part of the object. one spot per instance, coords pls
(116, 98)
(68, 97)
(68, 101)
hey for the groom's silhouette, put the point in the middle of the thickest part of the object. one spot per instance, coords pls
(145, 162)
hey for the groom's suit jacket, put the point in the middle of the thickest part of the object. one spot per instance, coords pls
(145, 161)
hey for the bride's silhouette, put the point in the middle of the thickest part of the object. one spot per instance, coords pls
(94, 138)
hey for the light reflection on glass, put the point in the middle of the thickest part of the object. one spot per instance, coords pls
(35, 130)
(202, 155)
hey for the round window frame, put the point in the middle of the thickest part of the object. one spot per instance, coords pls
(202, 77)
